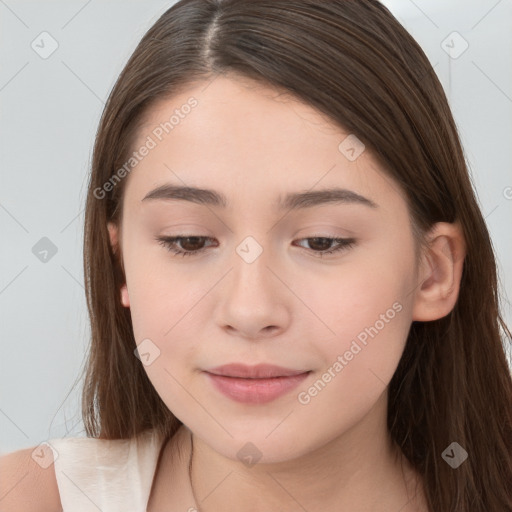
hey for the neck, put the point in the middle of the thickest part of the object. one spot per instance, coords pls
(359, 470)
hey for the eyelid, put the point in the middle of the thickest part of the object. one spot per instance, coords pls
(169, 242)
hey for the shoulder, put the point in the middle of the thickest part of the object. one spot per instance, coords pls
(28, 482)
(70, 472)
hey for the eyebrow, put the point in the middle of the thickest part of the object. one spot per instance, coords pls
(292, 201)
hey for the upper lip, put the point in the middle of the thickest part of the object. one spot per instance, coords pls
(253, 372)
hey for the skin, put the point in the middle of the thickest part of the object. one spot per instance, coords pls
(289, 307)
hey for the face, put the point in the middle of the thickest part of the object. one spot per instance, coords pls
(259, 285)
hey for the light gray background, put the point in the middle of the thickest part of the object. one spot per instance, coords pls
(49, 113)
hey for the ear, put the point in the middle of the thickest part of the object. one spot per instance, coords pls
(113, 232)
(440, 273)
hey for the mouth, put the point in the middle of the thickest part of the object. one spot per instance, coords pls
(260, 371)
(255, 384)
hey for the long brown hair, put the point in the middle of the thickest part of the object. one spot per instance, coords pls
(353, 61)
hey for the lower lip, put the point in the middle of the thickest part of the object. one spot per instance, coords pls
(255, 391)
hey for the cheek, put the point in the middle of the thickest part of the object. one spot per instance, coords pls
(164, 313)
(366, 316)
(371, 322)
(162, 295)
(165, 302)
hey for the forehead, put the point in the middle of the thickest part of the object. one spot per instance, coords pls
(248, 139)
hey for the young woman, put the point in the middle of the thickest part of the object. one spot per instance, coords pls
(292, 290)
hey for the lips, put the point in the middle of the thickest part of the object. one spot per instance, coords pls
(260, 371)
(254, 384)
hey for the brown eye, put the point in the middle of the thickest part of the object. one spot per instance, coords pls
(189, 244)
(320, 244)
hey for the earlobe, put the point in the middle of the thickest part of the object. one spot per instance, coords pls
(440, 274)
(113, 235)
(113, 232)
(125, 299)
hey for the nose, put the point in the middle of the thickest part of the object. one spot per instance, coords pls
(253, 302)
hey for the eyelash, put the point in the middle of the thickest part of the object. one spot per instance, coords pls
(169, 243)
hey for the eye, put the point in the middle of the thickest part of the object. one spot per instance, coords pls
(192, 245)
(190, 241)
(324, 242)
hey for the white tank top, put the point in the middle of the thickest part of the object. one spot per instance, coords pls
(106, 475)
